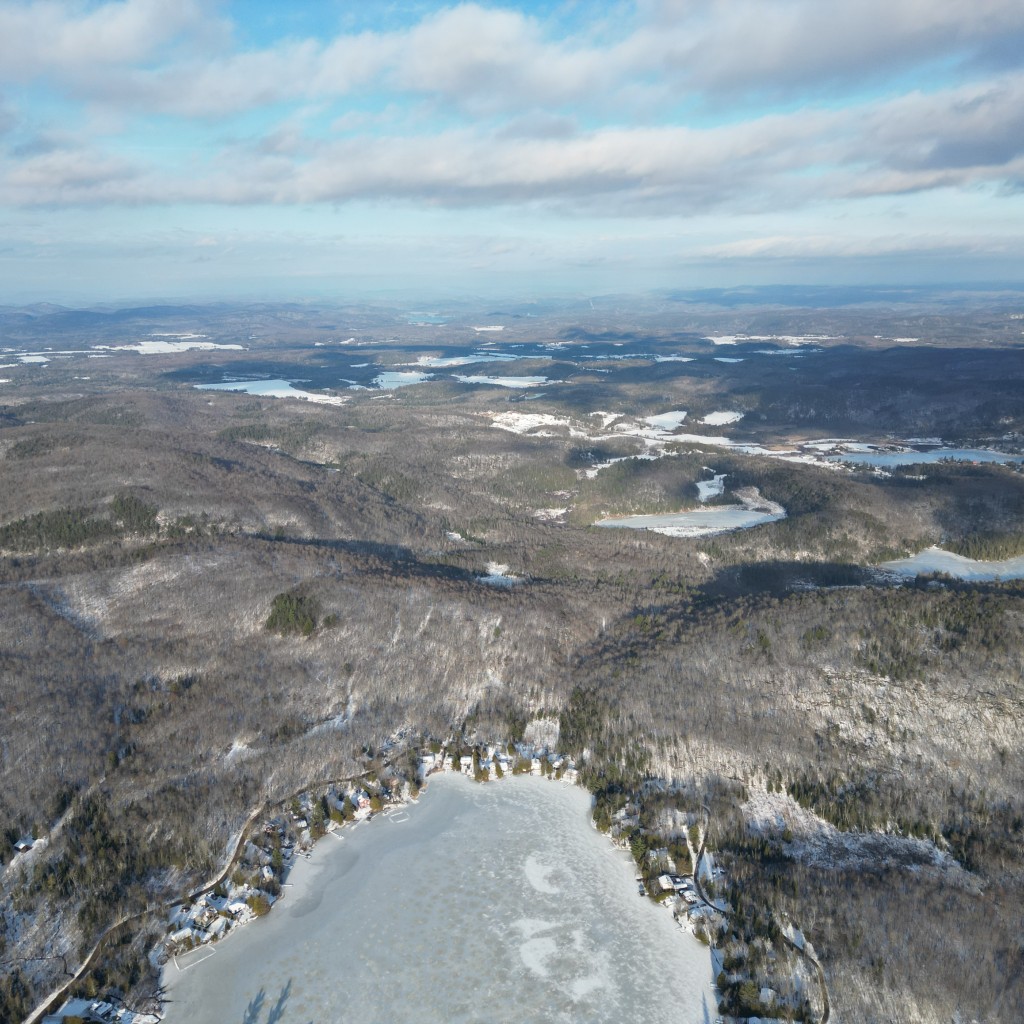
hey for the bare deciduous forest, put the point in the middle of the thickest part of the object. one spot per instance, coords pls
(212, 599)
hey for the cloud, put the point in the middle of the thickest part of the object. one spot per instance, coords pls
(831, 246)
(778, 47)
(474, 106)
(65, 40)
(957, 137)
(177, 58)
(64, 175)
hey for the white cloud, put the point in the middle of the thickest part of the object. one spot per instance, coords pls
(958, 137)
(777, 46)
(68, 40)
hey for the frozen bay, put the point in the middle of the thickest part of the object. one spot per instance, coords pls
(489, 902)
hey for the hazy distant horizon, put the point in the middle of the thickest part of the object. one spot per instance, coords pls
(441, 301)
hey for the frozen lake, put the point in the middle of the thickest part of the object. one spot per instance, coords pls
(490, 902)
(272, 389)
(936, 560)
(698, 522)
(911, 458)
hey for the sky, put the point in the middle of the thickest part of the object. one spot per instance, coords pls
(342, 149)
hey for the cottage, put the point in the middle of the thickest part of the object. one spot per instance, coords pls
(182, 937)
(73, 1008)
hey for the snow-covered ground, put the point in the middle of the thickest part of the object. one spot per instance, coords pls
(711, 488)
(787, 339)
(499, 576)
(721, 419)
(591, 472)
(818, 842)
(533, 423)
(667, 420)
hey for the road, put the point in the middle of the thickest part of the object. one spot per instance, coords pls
(826, 1012)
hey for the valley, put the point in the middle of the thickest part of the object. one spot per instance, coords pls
(249, 551)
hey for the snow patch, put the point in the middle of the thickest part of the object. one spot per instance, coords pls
(499, 576)
(721, 419)
(667, 420)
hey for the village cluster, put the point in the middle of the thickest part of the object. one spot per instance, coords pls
(255, 884)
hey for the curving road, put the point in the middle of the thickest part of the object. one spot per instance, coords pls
(826, 1012)
(90, 961)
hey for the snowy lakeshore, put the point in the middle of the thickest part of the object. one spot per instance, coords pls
(498, 901)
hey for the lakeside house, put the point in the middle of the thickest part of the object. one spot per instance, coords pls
(98, 1011)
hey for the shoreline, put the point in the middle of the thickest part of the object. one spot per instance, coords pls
(309, 884)
(306, 864)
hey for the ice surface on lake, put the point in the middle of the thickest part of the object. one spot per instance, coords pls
(391, 379)
(439, 362)
(934, 559)
(506, 382)
(272, 389)
(912, 458)
(698, 522)
(439, 918)
(155, 348)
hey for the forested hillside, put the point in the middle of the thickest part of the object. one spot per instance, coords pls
(211, 600)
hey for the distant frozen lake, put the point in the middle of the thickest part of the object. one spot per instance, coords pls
(504, 382)
(272, 389)
(388, 380)
(910, 458)
(936, 560)
(698, 522)
(490, 902)
(467, 359)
